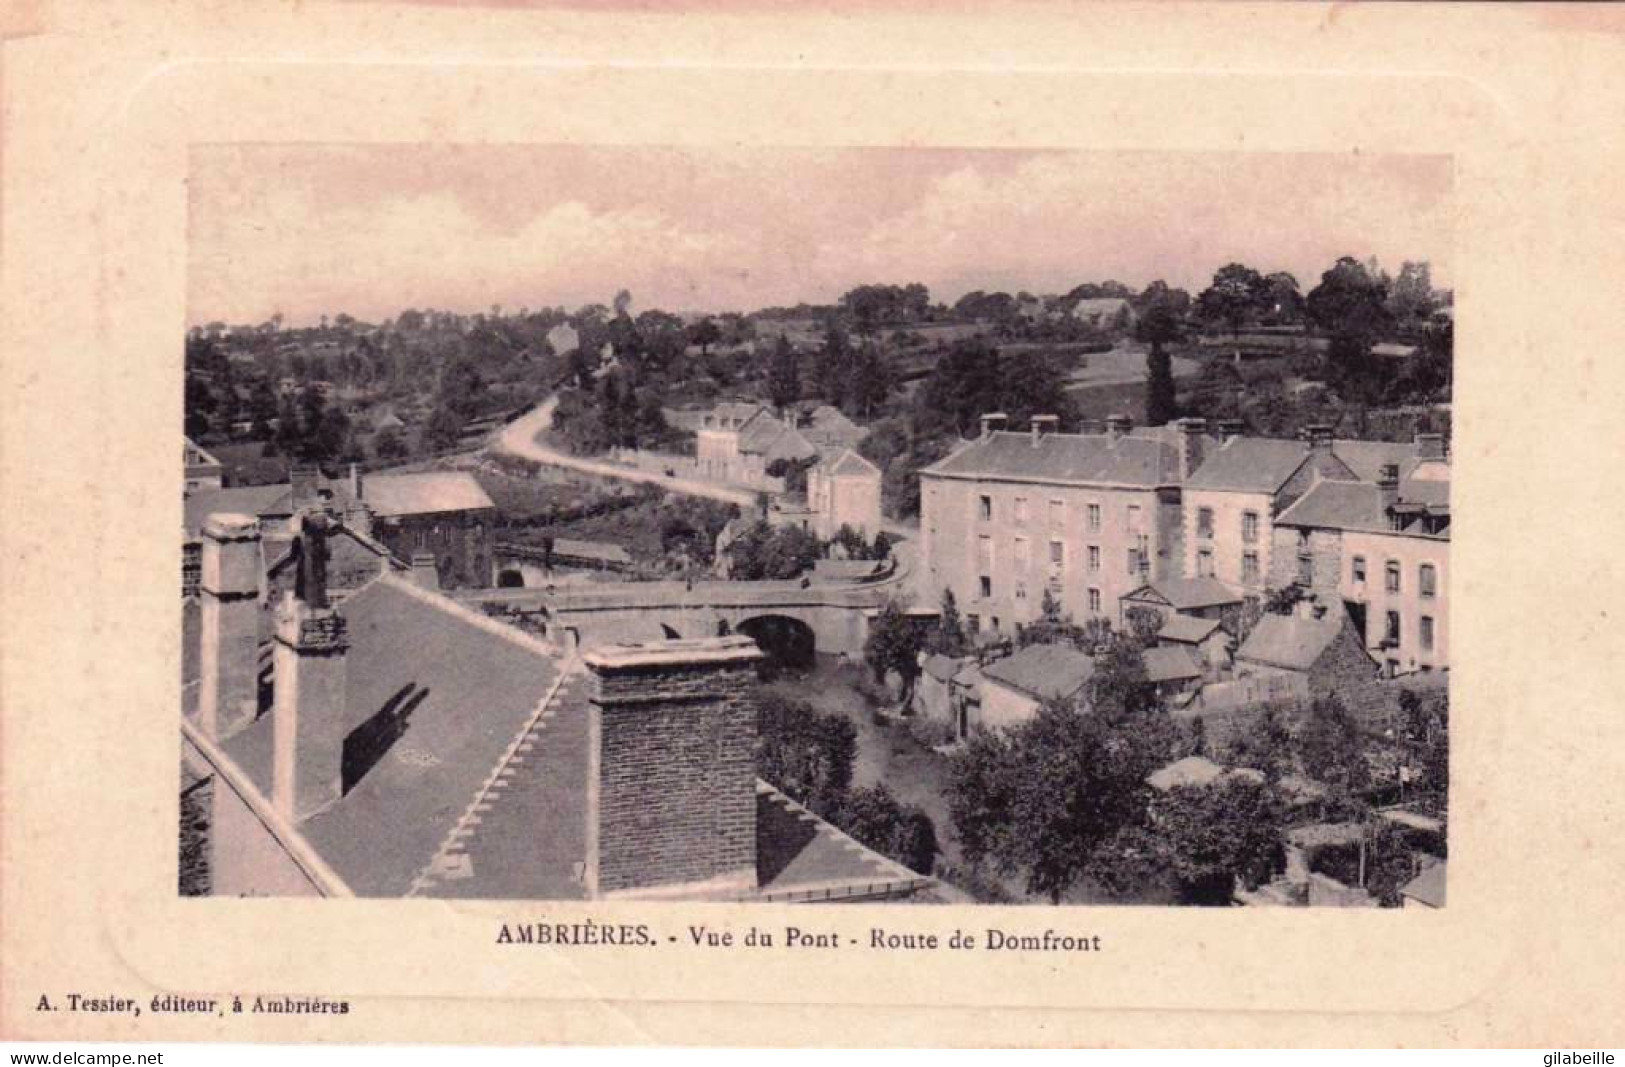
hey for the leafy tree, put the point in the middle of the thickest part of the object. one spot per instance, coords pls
(874, 816)
(1331, 748)
(1411, 299)
(1283, 301)
(1351, 305)
(893, 644)
(1265, 744)
(705, 333)
(836, 361)
(1217, 835)
(806, 754)
(1143, 626)
(948, 639)
(1236, 296)
(768, 552)
(389, 444)
(1043, 798)
(784, 374)
(1161, 323)
(443, 428)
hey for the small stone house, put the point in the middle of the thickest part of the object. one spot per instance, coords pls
(1317, 641)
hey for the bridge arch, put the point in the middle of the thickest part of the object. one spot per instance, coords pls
(510, 578)
(786, 641)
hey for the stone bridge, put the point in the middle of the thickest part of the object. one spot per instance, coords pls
(789, 619)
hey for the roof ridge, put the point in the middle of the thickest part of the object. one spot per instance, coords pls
(466, 614)
(459, 829)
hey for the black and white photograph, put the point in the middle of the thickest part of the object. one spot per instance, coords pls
(817, 525)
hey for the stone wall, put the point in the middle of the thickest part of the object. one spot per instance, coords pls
(673, 784)
(197, 807)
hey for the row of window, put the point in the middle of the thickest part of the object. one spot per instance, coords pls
(985, 588)
(1249, 525)
(1392, 635)
(1137, 559)
(1057, 513)
(1427, 576)
(1249, 565)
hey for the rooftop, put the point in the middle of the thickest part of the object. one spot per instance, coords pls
(454, 690)
(1171, 663)
(1187, 629)
(424, 494)
(847, 463)
(1428, 887)
(1187, 594)
(1190, 771)
(1091, 459)
(1292, 641)
(1249, 465)
(1358, 506)
(1048, 672)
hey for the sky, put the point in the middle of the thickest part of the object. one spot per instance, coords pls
(370, 230)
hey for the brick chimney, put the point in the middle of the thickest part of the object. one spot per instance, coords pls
(306, 485)
(993, 423)
(425, 571)
(1319, 437)
(1043, 424)
(1430, 446)
(671, 781)
(1230, 429)
(1192, 445)
(1388, 485)
(357, 485)
(309, 724)
(1118, 426)
(229, 588)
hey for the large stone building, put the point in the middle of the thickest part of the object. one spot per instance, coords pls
(1130, 518)
(1090, 517)
(398, 743)
(1384, 550)
(738, 441)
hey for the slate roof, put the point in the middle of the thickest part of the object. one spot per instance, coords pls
(1171, 663)
(257, 501)
(1048, 672)
(1367, 458)
(800, 856)
(1291, 641)
(1090, 459)
(849, 463)
(1358, 505)
(391, 495)
(1187, 629)
(1187, 594)
(465, 687)
(1428, 887)
(1249, 465)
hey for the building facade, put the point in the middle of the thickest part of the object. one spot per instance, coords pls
(1087, 517)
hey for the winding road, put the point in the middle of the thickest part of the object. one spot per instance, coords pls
(519, 438)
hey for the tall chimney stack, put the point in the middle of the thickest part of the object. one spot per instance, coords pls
(992, 423)
(1192, 445)
(1388, 485)
(671, 779)
(1043, 424)
(309, 725)
(229, 587)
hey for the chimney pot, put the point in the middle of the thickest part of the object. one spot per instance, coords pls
(1319, 437)
(1230, 429)
(1043, 424)
(993, 422)
(425, 571)
(1118, 426)
(1430, 446)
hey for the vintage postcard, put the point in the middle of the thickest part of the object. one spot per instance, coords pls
(646, 480)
